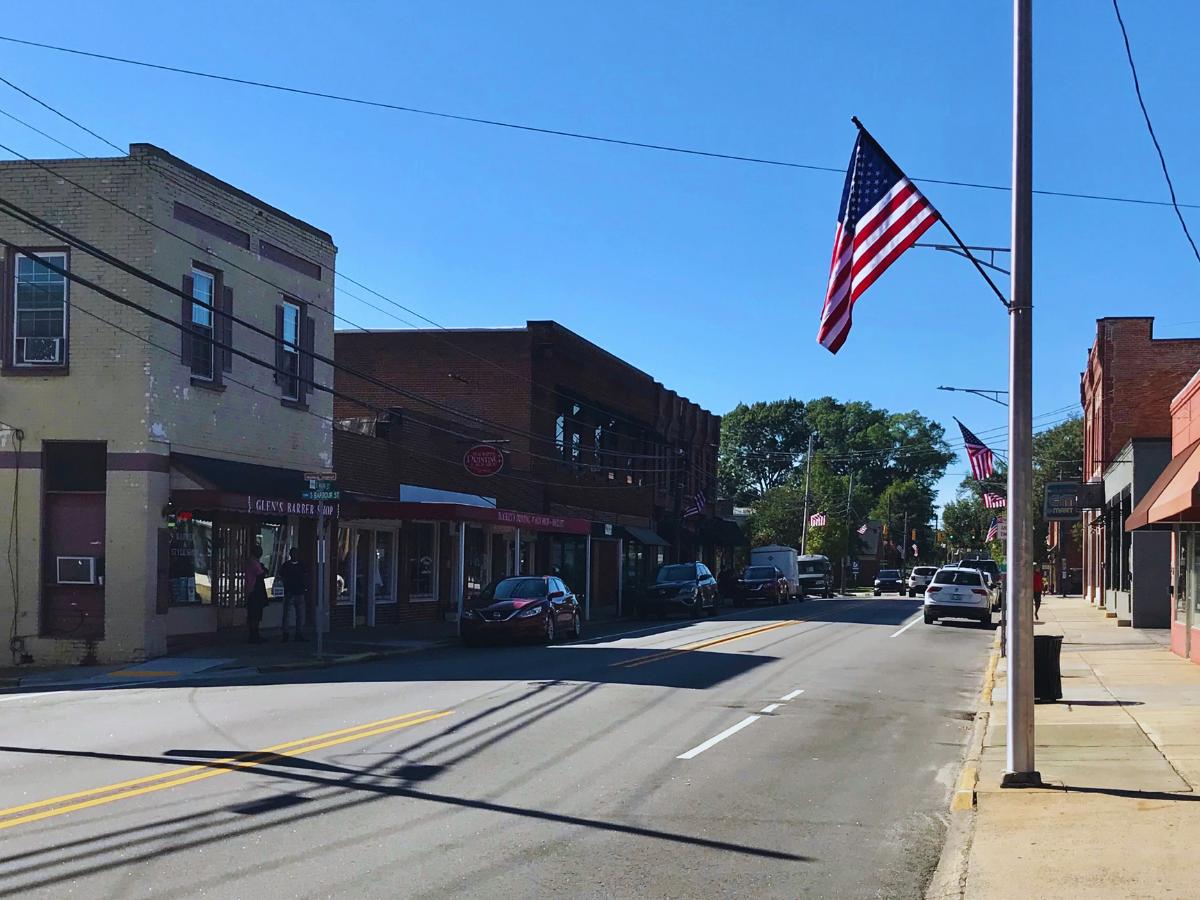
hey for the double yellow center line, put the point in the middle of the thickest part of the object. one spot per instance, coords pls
(701, 645)
(67, 803)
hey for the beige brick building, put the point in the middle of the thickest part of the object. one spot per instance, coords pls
(140, 460)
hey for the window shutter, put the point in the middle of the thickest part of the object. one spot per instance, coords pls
(308, 333)
(185, 347)
(279, 355)
(226, 329)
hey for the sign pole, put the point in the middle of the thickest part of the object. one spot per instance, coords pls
(1019, 758)
(322, 580)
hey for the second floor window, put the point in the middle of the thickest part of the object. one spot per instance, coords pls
(290, 356)
(204, 287)
(39, 312)
(207, 321)
(295, 340)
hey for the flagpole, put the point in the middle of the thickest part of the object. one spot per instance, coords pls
(954, 234)
(1020, 768)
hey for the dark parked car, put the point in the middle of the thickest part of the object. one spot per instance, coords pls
(889, 581)
(529, 607)
(681, 587)
(762, 584)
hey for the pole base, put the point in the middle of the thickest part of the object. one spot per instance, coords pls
(1021, 780)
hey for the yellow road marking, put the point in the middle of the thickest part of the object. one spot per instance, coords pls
(134, 673)
(197, 772)
(700, 645)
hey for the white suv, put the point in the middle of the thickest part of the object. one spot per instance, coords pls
(919, 578)
(958, 593)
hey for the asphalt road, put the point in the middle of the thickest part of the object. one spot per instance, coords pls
(581, 770)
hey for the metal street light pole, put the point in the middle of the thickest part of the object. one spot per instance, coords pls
(985, 393)
(807, 481)
(1020, 769)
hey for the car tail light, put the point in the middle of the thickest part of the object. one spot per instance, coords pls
(932, 589)
(979, 591)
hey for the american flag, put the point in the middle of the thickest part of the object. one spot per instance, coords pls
(994, 501)
(882, 215)
(862, 529)
(995, 528)
(915, 553)
(982, 461)
(816, 520)
(697, 506)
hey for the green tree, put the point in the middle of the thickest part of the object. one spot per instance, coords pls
(762, 444)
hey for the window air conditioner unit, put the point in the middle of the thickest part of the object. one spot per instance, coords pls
(76, 570)
(41, 351)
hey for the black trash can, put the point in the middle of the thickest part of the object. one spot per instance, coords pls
(1047, 674)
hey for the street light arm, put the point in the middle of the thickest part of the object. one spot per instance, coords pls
(985, 393)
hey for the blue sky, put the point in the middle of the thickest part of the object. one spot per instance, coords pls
(708, 274)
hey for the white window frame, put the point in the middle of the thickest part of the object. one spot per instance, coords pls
(62, 350)
(436, 554)
(291, 384)
(211, 326)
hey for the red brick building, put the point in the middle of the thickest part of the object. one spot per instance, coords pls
(1126, 392)
(600, 465)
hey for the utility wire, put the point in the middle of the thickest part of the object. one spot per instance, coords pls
(555, 132)
(1162, 160)
(217, 201)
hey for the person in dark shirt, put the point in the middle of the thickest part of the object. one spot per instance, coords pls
(295, 592)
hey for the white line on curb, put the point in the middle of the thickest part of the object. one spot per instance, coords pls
(792, 696)
(915, 620)
(713, 741)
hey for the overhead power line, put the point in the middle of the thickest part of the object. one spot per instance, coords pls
(217, 201)
(1162, 160)
(553, 132)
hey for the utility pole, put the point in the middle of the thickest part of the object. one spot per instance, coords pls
(904, 544)
(1020, 769)
(807, 482)
(849, 539)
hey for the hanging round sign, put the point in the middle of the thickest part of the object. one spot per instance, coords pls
(483, 460)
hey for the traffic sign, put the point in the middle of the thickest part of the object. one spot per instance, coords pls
(320, 476)
(321, 494)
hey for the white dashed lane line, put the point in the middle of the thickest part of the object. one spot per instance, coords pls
(734, 729)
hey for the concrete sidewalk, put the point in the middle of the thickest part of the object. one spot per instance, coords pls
(1119, 755)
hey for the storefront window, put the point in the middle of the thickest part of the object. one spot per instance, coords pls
(1192, 576)
(362, 571)
(421, 569)
(568, 560)
(345, 547)
(385, 554)
(632, 571)
(476, 561)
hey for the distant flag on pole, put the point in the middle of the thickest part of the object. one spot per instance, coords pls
(982, 460)
(816, 520)
(882, 215)
(862, 529)
(995, 528)
(994, 501)
(915, 553)
(699, 501)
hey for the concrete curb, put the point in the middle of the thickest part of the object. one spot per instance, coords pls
(950, 878)
(350, 658)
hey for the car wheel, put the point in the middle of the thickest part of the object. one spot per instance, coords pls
(930, 618)
(577, 626)
(551, 630)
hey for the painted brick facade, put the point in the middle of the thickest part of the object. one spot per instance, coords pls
(127, 386)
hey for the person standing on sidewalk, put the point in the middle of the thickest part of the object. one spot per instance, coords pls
(1038, 584)
(256, 594)
(295, 593)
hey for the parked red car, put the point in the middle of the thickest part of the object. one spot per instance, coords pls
(525, 607)
(762, 584)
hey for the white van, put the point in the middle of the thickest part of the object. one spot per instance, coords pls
(782, 558)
